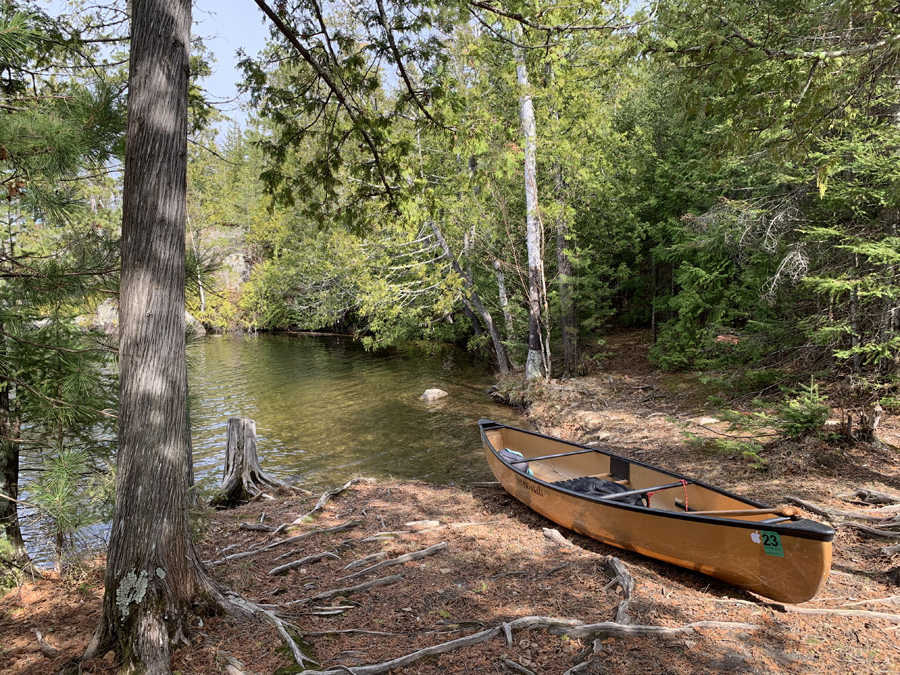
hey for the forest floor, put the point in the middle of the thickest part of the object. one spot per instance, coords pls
(499, 566)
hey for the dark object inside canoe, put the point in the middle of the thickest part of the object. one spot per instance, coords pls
(596, 487)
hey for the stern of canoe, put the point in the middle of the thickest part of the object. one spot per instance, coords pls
(777, 565)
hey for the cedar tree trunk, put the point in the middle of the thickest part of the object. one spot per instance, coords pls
(153, 576)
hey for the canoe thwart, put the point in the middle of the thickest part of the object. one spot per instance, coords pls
(561, 454)
(643, 491)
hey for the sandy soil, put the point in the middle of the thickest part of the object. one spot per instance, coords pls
(499, 566)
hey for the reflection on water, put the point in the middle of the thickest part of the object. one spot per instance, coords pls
(326, 409)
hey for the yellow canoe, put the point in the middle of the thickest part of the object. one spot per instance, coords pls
(769, 551)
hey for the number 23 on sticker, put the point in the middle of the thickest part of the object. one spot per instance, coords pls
(771, 542)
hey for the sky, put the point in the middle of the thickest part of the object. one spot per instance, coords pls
(225, 26)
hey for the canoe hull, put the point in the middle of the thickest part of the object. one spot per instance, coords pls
(792, 572)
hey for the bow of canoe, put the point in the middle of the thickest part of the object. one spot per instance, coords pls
(687, 523)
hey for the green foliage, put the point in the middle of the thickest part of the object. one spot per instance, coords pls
(71, 494)
(800, 413)
(804, 413)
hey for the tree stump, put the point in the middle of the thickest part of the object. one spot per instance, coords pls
(244, 477)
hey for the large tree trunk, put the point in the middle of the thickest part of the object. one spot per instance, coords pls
(534, 365)
(153, 576)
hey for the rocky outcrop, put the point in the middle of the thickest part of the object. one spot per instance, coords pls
(106, 319)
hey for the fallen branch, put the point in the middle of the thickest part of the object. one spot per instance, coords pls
(828, 513)
(325, 595)
(571, 627)
(891, 550)
(329, 494)
(316, 557)
(405, 558)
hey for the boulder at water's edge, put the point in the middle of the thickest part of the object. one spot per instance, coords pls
(433, 395)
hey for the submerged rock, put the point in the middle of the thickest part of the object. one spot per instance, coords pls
(433, 395)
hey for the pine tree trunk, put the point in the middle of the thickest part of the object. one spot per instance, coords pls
(153, 577)
(534, 365)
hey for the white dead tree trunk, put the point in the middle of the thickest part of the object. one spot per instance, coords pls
(537, 363)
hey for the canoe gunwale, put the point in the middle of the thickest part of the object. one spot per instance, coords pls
(802, 528)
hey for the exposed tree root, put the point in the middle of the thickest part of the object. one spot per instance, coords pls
(381, 555)
(281, 542)
(623, 579)
(316, 557)
(583, 665)
(872, 530)
(280, 625)
(871, 496)
(794, 609)
(517, 667)
(554, 536)
(326, 595)
(405, 558)
(570, 627)
(329, 494)
(831, 514)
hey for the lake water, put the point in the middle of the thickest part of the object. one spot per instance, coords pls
(327, 410)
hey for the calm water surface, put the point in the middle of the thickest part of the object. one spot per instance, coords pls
(327, 410)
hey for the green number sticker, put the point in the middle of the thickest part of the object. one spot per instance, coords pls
(772, 543)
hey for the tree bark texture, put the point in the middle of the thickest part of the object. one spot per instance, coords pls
(477, 305)
(534, 365)
(567, 319)
(244, 477)
(9, 467)
(9, 472)
(153, 574)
